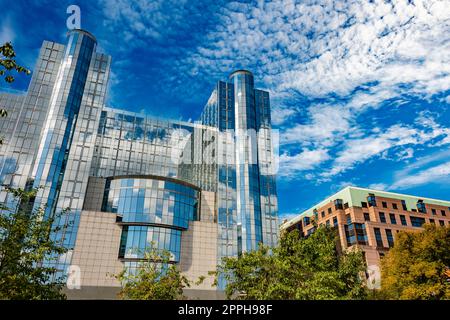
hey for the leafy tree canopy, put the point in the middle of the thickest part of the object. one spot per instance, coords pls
(25, 242)
(298, 268)
(417, 267)
(155, 278)
(8, 63)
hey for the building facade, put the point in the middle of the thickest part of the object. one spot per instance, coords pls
(370, 219)
(202, 191)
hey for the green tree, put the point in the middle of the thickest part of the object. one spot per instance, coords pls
(8, 64)
(298, 268)
(25, 242)
(417, 266)
(155, 278)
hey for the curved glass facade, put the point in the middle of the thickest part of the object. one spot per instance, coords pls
(151, 210)
(135, 239)
(151, 201)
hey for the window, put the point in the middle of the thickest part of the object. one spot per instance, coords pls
(322, 214)
(382, 217)
(371, 200)
(443, 212)
(335, 221)
(403, 220)
(348, 218)
(421, 206)
(432, 221)
(394, 206)
(310, 231)
(417, 222)
(306, 221)
(384, 204)
(404, 205)
(356, 234)
(390, 238)
(441, 222)
(378, 237)
(392, 217)
(123, 239)
(329, 210)
(433, 212)
(364, 204)
(366, 216)
(338, 204)
(328, 223)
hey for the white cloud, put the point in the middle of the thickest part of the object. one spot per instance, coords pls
(436, 174)
(424, 170)
(280, 115)
(6, 31)
(305, 160)
(318, 49)
(353, 42)
(353, 55)
(142, 21)
(359, 150)
(379, 186)
(326, 123)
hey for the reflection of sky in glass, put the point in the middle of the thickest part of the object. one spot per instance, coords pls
(151, 201)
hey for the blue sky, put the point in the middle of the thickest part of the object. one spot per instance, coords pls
(360, 91)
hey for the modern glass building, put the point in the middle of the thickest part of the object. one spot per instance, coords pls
(201, 190)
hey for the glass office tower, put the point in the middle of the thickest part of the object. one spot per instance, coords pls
(201, 190)
(246, 190)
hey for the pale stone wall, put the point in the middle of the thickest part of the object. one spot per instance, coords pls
(208, 206)
(199, 253)
(96, 249)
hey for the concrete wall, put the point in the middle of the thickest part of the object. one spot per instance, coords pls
(199, 253)
(97, 248)
(208, 206)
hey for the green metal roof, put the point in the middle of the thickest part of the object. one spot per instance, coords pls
(355, 195)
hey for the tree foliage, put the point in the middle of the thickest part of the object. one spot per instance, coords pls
(417, 267)
(155, 278)
(25, 242)
(8, 63)
(298, 268)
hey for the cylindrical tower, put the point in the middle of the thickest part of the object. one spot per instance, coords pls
(249, 227)
(51, 163)
(62, 116)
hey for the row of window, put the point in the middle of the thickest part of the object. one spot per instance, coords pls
(415, 221)
(379, 239)
(307, 221)
(371, 202)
